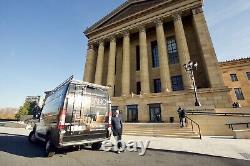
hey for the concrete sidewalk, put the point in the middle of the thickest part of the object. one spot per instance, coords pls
(214, 146)
(14, 131)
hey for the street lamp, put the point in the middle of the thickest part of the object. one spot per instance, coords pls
(190, 68)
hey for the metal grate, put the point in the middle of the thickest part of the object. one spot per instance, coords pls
(245, 155)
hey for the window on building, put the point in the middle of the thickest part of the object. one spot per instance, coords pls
(248, 75)
(157, 85)
(173, 56)
(239, 94)
(155, 56)
(233, 77)
(138, 88)
(137, 58)
(177, 83)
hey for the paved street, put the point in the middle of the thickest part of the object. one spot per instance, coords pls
(16, 150)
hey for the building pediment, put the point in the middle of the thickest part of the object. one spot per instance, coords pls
(127, 9)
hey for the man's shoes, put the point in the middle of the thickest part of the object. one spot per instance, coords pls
(118, 152)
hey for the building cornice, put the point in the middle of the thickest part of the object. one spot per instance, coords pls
(124, 6)
(116, 11)
(111, 14)
(143, 17)
(234, 62)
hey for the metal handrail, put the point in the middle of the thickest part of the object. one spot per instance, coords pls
(240, 123)
(193, 126)
(217, 113)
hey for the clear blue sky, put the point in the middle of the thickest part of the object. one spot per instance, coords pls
(42, 41)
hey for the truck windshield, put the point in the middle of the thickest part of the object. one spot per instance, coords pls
(86, 101)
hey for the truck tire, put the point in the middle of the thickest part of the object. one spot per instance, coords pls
(96, 146)
(49, 148)
(32, 137)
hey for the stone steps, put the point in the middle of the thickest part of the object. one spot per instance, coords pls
(193, 136)
(152, 124)
(155, 134)
(151, 131)
(160, 130)
(157, 129)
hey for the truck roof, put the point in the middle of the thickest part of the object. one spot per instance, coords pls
(89, 84)
(78, 82)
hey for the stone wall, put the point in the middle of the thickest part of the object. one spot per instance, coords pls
(240, 68)
(216, 98)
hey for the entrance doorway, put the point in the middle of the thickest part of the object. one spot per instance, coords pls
(132, 113)
(155, 113)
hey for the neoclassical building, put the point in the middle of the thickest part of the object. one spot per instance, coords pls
(236, 75)
(139, 49)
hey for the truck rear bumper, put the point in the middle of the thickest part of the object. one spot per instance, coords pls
(81, 142)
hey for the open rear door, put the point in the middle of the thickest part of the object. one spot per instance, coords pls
(88, 110)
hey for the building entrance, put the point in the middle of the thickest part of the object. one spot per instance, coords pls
(155, 113)
(132, 113)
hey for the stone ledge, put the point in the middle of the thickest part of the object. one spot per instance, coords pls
(169, 94)
(242, 134)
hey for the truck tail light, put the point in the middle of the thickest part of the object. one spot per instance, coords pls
(61, 122)
(110, 116)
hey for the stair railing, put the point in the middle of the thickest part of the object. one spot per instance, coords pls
(192, 124)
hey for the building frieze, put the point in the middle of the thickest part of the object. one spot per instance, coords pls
(143, 17)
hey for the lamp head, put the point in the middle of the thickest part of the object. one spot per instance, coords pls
(190, 63)
(185, 66)
(196, 65)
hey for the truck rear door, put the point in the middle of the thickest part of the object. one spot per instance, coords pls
(86, 113)
(99, 112)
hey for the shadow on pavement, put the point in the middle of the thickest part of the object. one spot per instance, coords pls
(19, 145)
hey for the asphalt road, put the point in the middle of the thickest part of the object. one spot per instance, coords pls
(15, 150)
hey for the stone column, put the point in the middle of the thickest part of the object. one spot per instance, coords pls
(111, 66)
(144, 74)
(163, 58)
(182, 50)
(126, 65)
(90, 65)
(99, 64)
(207, 49)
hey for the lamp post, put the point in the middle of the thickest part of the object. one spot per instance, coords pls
(190, 68)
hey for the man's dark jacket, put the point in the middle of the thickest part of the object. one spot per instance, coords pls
(116, 123)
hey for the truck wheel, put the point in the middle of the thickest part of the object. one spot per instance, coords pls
(96, 146)
(32, 137)
(49, 148)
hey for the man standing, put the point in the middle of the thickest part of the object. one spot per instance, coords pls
(179, 113)
(116, 123)
(182, 116)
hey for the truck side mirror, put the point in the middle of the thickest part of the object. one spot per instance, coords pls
(37, 116)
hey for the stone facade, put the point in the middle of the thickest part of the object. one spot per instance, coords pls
(139, 49)
(236, 74)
